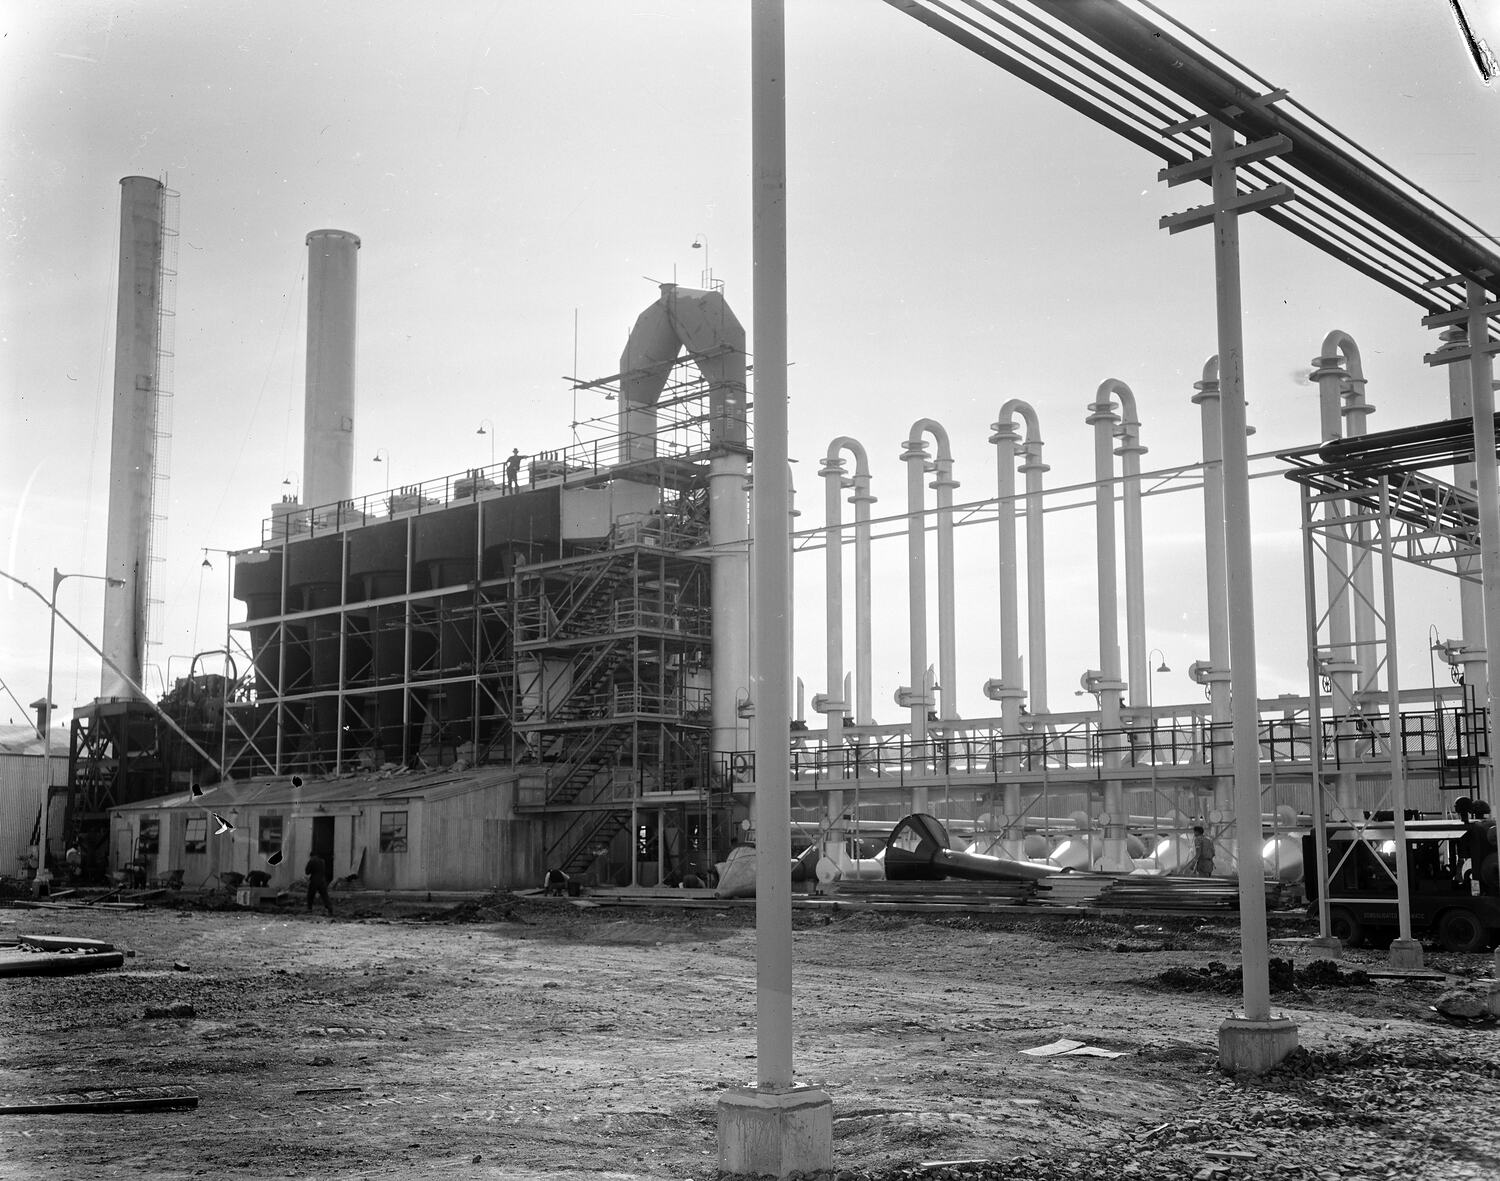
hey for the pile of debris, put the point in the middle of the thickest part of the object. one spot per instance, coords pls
(1284, 977)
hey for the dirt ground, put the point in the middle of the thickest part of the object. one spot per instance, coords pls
(522, 1037)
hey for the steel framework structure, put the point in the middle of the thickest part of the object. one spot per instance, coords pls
(547, 628)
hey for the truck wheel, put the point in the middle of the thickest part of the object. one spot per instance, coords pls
(1344, 927)
(1460, 930)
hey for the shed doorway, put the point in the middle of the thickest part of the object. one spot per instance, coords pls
(322, 840)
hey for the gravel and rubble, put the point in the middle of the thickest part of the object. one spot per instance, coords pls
(510, 1037)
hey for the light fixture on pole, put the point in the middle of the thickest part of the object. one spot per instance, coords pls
(42, 884)
(384, 456)
(700, 242)
(485, 422)
(1151, 681)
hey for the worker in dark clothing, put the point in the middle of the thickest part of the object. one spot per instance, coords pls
(1203, 850)
(513, 470)
(317, 882)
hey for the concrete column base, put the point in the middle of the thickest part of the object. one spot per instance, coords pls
(1492, 1002)
(1406, 954)
(1254, 1047)
(775, 1133)
(1329, 943)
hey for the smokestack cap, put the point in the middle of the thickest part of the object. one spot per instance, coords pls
(333, 234)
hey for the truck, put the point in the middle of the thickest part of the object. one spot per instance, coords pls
(1454, 875)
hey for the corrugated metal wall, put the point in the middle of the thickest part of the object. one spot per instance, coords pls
(20, 800)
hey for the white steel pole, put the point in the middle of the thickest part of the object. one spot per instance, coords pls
(1241, 603)
(864, 707)
(1207, 397)
(1036, 589)
(1103, 419)
(1470, 591)
(915, 457)
(1406, 952)
(1130, 452)
(770, 558)
(1482, 390)
(43, 874)
(1004, 438)
(833, 512)
(944, 485)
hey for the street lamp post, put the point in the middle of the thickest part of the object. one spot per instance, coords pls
(700, 242)
(485, 422)
(42, 883)
(1151, 712)
(384, 456)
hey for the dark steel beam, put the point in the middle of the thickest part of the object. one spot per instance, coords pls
(1172, 64)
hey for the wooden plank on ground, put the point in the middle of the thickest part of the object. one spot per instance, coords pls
(170, 1097)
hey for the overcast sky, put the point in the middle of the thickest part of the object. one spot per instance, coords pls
(956, 239)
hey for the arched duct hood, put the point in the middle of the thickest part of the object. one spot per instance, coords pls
(1008, 689)
(1106, 682)
(1340, 377)
(921, 694)
(1214, 672)
(1343, 412)
(702, 323)
(835, 481)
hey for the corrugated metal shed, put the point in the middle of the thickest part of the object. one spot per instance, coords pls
(439, 830)
(20, 805)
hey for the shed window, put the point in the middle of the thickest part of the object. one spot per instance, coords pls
(195, 838)
(270, 835)
(149, 840)
(393, 832)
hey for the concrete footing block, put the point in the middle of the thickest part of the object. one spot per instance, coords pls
(775, 1133)
(1254, 1047)
(1406, 954)
(1332, 944)
(1492, 1002)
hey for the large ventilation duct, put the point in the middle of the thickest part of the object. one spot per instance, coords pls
(1470, 589)
(1214, 674)
(702, 323)
(1342, 412)
(921, 696)
(836, 704)
(1008, 689)
(1105, 682)
(133, 434)
(328, 423)
(836, 481)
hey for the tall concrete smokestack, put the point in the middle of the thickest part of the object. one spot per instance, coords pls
(328, 424)
(133, 438)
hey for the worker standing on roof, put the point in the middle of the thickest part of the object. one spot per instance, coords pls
(513, 470)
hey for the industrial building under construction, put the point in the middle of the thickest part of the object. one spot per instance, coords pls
(546, 664)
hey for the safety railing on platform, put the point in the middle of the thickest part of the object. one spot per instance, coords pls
(586, 459)
(1197, 747)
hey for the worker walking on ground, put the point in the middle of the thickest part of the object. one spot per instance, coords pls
(513, 470)
(317, 883)
(1203, 849)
